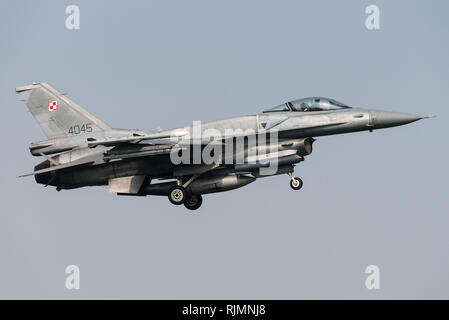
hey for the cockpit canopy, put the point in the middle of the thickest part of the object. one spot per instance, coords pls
(310, 104)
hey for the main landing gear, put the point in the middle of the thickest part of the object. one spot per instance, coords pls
(193, 201)
(295, 182)
(178, 195)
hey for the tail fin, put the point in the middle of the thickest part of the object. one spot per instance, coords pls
(57, 115)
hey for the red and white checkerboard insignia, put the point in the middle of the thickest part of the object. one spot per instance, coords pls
(52, 105)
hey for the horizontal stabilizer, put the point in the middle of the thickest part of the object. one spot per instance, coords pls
(72, 164)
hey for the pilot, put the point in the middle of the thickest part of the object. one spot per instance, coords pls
(304, 106)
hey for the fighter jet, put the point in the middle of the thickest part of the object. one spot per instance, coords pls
(82, 150)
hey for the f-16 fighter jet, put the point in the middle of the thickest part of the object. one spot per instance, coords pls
(185, 163)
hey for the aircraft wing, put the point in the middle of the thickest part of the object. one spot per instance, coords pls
(143, 151)
(136, 138)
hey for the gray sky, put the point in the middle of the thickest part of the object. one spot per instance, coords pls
(369, 198)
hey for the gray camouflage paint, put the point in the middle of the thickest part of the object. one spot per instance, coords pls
(93, 153)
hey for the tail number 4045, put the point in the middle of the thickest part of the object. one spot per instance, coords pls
(80, 128)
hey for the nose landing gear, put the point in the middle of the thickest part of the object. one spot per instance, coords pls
(295, 183)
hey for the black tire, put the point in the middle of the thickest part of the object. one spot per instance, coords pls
(296, 183)
(193, 201)
(177, 195)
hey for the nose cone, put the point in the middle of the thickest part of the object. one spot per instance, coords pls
(385, 119)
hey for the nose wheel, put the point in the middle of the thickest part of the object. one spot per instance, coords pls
(296, 183)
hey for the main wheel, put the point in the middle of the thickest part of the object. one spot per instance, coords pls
(177, 195)
(193, 201)
(296, 183)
